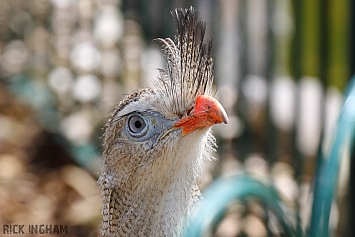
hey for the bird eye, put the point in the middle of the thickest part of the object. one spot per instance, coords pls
(137, 125)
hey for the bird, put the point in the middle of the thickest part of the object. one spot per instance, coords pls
(157, 140)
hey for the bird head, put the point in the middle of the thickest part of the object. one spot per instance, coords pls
(157, 138)
(153, 125)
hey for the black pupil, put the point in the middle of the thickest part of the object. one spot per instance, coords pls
(138, 124)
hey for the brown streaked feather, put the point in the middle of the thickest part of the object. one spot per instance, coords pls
(189, 62)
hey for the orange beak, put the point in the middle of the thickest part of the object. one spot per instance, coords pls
(207, 112)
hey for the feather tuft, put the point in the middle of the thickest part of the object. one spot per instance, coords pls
(189, 63)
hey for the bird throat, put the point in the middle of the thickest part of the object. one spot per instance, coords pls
(147, 211)
(156, 201)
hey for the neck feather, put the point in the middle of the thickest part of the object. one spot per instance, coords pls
(156, 200)
(152, 208)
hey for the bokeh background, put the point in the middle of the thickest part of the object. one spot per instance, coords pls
(280, 68)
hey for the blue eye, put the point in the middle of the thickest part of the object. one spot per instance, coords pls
(146, 126)
(137, 125)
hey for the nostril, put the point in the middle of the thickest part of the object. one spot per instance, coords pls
(190, 110)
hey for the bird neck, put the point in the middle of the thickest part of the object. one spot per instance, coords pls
(147, 205)
(154, 199)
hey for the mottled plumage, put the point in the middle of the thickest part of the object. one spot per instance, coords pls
(150, 165)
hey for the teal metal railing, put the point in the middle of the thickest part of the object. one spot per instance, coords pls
(328, 169)
(222, 192)
(225, 190)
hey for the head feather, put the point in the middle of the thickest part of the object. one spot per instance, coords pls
(189, 63)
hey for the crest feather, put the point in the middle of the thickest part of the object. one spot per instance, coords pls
(189, 63)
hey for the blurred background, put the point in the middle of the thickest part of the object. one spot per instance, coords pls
(280, 69)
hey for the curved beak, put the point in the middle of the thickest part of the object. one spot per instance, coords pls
(206, 112)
